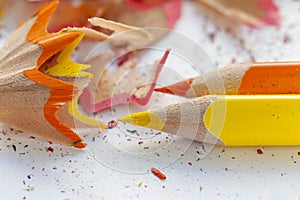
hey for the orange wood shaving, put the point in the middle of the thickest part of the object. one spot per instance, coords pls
(60, 91)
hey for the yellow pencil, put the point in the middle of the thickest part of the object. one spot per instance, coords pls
(229, 120)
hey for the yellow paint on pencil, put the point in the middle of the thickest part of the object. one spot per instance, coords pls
(66, 67)
(252, 120)
(145, 119)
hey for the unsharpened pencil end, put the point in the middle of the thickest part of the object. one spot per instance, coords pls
(145, 119)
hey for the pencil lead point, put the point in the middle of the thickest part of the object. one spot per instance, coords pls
(179, 88)
(145, 119)
(166, 90)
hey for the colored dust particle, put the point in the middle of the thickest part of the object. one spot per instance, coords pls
(50, 149)
(158, 174)
(298, 153)
(111, 124)
(124, 58)
(140, 184)
(14, 147)
(259, 151)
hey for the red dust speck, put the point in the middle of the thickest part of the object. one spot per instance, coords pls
(190, 163)
(226, 169)
(158, 173)
(50, 149)
(212, 37)
(298, 153)
(259, 151)
(286, 39)
(111, 124)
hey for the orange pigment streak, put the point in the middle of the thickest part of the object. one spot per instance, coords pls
(60, 91)
(271, 78)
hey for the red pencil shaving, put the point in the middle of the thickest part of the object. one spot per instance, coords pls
(254, 13)
(112, 94)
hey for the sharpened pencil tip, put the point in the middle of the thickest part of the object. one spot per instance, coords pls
(166, 90)
(179, 88)
(145, 119)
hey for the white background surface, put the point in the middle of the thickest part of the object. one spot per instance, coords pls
(104, 171)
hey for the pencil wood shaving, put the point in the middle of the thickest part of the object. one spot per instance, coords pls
(31, 99)
(255, 13)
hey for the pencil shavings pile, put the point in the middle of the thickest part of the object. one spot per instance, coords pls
(30, 99)
(40, 84)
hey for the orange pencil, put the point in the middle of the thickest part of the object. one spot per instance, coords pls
(244, 78)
